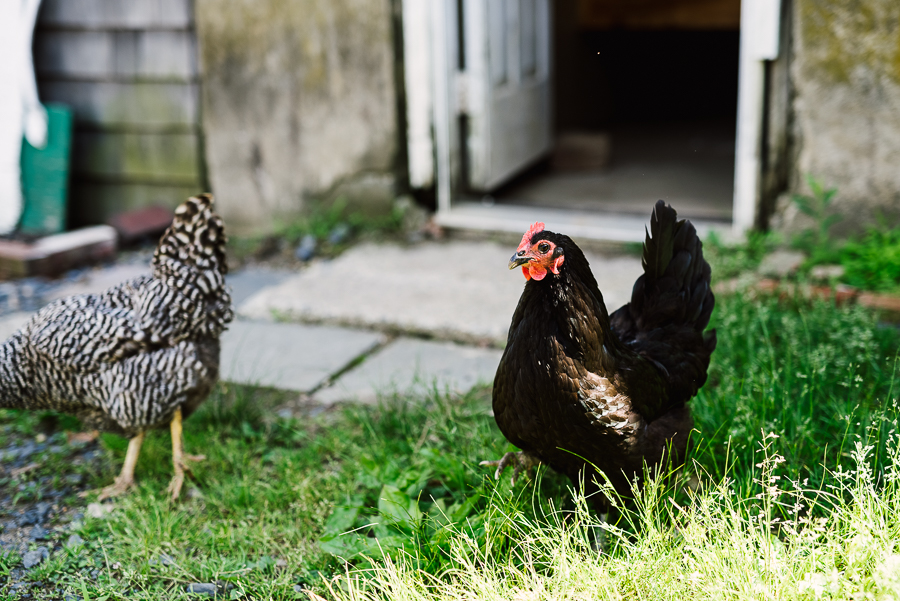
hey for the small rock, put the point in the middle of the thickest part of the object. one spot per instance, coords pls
(71, 597)
(40, 438)
(202, 588)
(36, 515)
(285, 413)
(339, 233)
(281, 563)
(219, 589)
(827, 272)
(33, 558)
(74, 479)
(97, 510)
(298, 589)
(163, 559)
(74, 541)
(781, 263)
(39, 533)
(307, 248)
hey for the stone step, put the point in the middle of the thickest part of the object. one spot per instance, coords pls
(411, 366)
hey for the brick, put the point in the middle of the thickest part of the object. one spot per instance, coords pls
(52, 255)
(141, 223)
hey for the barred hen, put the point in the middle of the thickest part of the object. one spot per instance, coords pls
(582, 390)
(141, 355)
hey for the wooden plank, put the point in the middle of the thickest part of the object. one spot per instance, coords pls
(81, 54)
(659, 14)
(126, 104)
(97, 202)
(107, 55)
(116, 14)
(154, 158)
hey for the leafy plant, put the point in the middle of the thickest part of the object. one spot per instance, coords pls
(873, 263)
(731, 260)
(816, 241)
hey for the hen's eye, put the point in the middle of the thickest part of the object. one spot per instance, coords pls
(543, 247)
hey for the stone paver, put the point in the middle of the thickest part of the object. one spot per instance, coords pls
(461, 290)
(289, 356)
(414, 366)
(9, 324)
(247, 282)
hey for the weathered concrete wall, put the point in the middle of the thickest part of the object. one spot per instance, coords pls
(298, 102)
(846, 77)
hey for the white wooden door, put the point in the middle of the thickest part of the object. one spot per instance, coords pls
(505, 87)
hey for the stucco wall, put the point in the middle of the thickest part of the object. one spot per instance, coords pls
(846, 77)
(298, 102)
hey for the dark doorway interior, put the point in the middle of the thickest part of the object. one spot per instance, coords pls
(645, 108)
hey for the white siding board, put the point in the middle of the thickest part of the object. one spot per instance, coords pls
(116, 14)
(124, 105)
(164, 158)
(122, 55)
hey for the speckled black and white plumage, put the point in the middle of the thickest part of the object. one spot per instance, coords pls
(123, 361)
(578, 388)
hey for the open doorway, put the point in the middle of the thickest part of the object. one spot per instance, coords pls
(645, 102)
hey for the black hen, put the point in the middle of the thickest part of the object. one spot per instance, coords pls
(578, 388)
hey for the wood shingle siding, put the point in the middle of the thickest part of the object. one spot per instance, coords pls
(129, 72)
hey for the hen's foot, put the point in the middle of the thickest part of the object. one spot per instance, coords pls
(117, 488)
(125, 480)
(179, 458)
(522, 460)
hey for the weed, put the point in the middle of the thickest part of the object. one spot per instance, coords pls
(816, 241)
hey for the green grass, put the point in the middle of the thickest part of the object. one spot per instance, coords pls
(390, 502)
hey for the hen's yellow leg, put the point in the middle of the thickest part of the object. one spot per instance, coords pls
(179, 458)
(125, 479)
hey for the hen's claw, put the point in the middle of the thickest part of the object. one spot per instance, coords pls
(119, 487)
(523, 461)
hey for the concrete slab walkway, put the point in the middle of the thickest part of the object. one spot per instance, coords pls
(459, 295)
(414, 367)
(458, 290)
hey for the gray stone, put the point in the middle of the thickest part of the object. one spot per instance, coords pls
(289, 356)
(306, 250)
(163, 559)
(339, 233)
(202, 588)
(218, 589)
(414, 367)
(459, 290)
(39, 533)
(33, 558)
(781, 263)
(827, 272)
(36, 515)
(74, 541)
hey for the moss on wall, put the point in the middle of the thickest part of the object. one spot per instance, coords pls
(840, 36)
(298, 96)
(846, 79)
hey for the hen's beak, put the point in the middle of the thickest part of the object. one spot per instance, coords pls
(520, 258)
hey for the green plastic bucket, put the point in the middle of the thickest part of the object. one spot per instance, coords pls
(45, 176)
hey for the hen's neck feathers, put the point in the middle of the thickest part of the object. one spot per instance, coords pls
(573, 302)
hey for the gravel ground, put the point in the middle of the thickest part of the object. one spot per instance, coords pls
(39, 506)
(30, 294)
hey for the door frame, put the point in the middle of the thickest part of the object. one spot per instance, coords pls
(436, 91)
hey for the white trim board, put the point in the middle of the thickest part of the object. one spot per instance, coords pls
(609, 227)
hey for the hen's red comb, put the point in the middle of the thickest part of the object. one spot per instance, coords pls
(535, 228)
